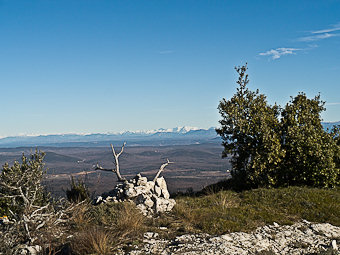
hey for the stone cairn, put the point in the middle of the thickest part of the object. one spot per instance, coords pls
(151, 197)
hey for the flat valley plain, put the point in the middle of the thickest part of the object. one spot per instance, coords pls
(194, 166)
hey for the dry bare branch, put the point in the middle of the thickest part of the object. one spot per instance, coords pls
(116, 162)
(116, 156)
(161, 169)
(98, 167)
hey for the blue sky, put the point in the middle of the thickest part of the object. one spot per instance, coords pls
(108, 66)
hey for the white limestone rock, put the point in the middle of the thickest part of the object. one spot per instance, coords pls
(271, 239)
(150, 185)
(165, 193)
(162, 205)
(142, 181)
(158, 191)
(161, 183)
(149, 196)
(148, 202)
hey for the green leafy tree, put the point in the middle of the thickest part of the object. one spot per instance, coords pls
(250, 131)
(335, 132)
(268, 151)
(311, 152)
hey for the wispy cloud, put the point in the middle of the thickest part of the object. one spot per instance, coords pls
(312, 36)
(316, 37)
(328, 30)
(321, 34)
(277, 53)
(336, 103)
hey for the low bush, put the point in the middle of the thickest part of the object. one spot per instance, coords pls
(78, 191)
(33, 217)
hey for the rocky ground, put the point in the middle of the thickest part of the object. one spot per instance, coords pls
(301, 238)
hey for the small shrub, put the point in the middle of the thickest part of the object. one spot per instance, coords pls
(35, 218)
(78, 191)
(20, 184)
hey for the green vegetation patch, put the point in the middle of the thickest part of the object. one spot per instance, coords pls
(229, 211)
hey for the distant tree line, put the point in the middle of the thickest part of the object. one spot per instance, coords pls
(273, 146)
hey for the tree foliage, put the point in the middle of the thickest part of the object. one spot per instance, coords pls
(20, 184)
(251, 134)
(335, 132)
(270, 146)
(310, 150)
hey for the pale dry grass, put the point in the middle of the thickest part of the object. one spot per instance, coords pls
(93, 240)
(225, 200)
(100, 229)
(129, 221)
(81, 216)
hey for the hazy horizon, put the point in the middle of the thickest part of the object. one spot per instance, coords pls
(146, 131)
(110, 132)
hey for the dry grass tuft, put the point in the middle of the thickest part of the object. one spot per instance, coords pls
(94, 240)
(81, 217)
(100, 229)
(225, 200)
(130, 221)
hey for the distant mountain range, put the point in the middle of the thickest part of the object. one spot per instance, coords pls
(162, 137)
(172, 136)
(329, 125)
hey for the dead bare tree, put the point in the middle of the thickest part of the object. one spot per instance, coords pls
(115, 170)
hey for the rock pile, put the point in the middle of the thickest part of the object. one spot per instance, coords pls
(150, 196)
(301, 238)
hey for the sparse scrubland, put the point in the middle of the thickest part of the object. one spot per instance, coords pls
(78, 227)
(285, 170)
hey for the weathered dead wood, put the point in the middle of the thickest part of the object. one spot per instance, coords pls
(116, 162)
(34, 217)
(117, 169)
(161, 169)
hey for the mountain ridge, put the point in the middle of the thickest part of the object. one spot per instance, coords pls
(161, 136)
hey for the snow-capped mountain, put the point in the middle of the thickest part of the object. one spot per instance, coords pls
(161, 136)
(181, 135)
(329, 125)
(181, 130)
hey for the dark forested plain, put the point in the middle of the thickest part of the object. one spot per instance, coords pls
(194, 167)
